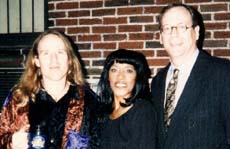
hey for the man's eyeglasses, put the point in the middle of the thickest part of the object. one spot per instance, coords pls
(180, 28)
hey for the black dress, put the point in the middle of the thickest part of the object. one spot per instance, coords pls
(133, 130)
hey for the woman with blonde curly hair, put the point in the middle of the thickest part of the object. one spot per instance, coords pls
(51, 93)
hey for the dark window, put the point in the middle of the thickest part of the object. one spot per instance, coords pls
(21, 22)
(8, 78)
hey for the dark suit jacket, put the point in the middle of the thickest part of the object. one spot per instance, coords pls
(201, 119)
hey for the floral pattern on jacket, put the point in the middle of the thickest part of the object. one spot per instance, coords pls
(80, 118)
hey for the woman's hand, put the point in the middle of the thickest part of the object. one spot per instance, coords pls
(20, 139)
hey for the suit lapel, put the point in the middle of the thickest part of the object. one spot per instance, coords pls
(161, 101)
(158, 92)
(188, 98)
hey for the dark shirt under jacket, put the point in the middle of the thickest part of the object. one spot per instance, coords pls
(52, 115)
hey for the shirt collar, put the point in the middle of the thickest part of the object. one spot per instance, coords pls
(186, 65)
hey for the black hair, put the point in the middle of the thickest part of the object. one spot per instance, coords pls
(141, 88)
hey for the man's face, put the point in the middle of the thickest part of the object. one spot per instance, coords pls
(52, 58)
(179, 45)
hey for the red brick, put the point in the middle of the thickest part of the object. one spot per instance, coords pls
(215, 25)
(153, 10)
(129, 28)
(74, 30)
(67, 5)
(222, 16)
(90, 54)
(104, 29)
(167, 1)
(222, 52)
(147, 53)
(90, 21)
(213, 8)
(197, 1)
(114, 37)
(50, 6)
(84, 46)
(120, 20)
(222, 34)
(152, 44)
(93, 71)
(99, 62)
(128, 11)
(141, 36)
(57, 14)
(131, 45)
(207, 17)
(91, 4)
(140, 19)
(89, 38)
(158, 61)
(109, 3)
(215, 43)
(79, 13)
(161, 53)
(66, 22)
(103, 12)
(142, 2)
(152, 27)
(104, 45)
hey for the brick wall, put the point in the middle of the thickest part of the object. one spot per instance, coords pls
(101, 26)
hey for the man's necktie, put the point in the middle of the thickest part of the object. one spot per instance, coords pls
(170, 97)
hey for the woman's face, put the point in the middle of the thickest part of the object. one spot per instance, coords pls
(52, 58)
(122, 78)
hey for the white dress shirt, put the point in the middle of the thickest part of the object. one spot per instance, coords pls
(184, 72)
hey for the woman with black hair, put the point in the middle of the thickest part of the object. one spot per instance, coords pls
(123, 89)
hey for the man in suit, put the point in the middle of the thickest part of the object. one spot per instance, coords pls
(195, 114)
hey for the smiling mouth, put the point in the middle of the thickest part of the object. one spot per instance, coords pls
(120, 85)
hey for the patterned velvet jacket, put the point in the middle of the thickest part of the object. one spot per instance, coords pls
(80, 124)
